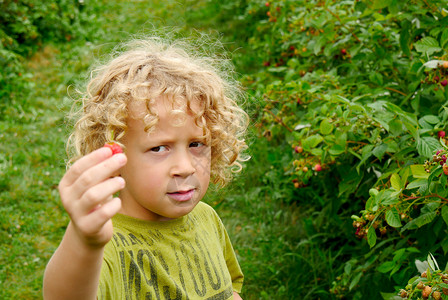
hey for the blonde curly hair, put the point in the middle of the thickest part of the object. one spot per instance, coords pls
(146, 69)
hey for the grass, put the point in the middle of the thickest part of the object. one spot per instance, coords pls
(278, 247)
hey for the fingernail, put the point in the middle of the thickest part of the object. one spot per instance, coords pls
(121, 158)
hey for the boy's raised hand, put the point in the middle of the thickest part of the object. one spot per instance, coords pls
(87, 195)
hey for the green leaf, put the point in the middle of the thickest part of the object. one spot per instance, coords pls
(326, 127)
(378, 4)
(417, 183)
(386, 267)
(311, 142)
(431, 119)
(424, 219)
(393, 218)
(427, 45)
(426, 146)
(355, 280)
(418, 171)
(405, 38)
(444, 38)
(379, 150)
(445, 213)
(432, 262)
(371, 236)
(395, 182)
(336, 150)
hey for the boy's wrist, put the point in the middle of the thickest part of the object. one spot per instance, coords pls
(82, 243)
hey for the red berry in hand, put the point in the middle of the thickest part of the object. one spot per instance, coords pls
(318, 168)
(114, 147)
(441, 134)
(444, 82)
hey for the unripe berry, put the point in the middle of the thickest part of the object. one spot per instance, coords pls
(426, 291)
(445, 64)
(298, 149)
(305, 169)
(436, 295)
(445, 169)
(420, 285)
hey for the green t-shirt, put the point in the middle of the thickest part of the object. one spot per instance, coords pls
(187, 258)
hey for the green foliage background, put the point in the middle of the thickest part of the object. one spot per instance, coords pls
(356, 87)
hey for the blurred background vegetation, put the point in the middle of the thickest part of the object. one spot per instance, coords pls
(348, 106)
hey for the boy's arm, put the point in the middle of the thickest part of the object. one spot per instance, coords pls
(237, 296)
(87, 194)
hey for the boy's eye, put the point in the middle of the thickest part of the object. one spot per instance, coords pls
(158, 149)
(196, 144)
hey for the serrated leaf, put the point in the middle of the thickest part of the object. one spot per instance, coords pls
(419, 171)
(431, 119)
(355, 281)
(326, 127)
(424, 219)
(379, 150)
(312, 141)
(427, 145)
(371, 237)
(427, 45)
(445, 214)
(433, 64)
(386, 267)
(416, 183)
(395, 182)
(432, 262)
(421, 266)
(393, 218)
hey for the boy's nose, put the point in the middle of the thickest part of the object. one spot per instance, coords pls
(183, 164)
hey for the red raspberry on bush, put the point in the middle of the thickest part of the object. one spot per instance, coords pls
(441, 134)
(444, 82)
(317, 168)
(114, 147)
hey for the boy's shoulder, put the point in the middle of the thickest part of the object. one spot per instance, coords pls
(205, 209)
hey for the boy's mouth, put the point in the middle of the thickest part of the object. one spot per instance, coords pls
(182, 196)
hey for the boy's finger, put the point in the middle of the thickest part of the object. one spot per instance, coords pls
(83, 164)
(98, 173)
(99, 194)
(97, 218)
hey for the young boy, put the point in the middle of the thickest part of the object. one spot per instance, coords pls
(178, 123)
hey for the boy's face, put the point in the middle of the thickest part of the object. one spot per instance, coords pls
(168, 170)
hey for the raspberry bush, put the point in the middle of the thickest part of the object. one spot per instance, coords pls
(354, 93)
